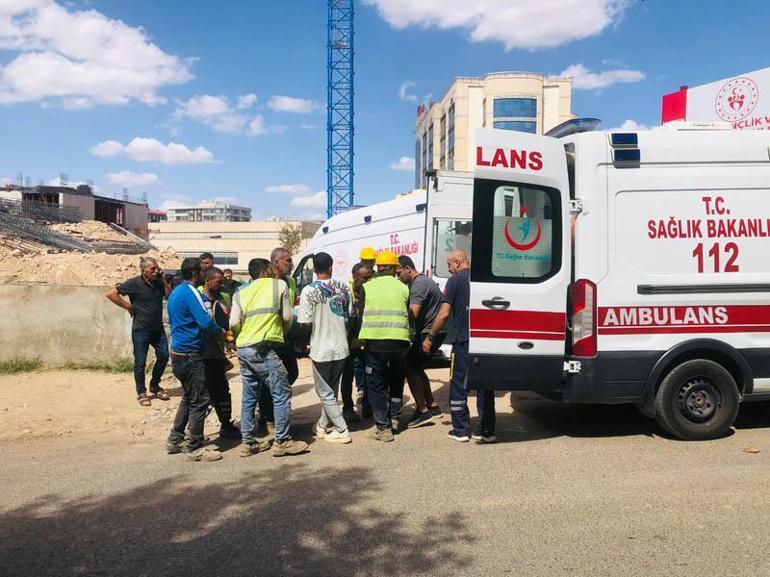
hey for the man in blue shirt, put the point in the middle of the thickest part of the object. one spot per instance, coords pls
(190, 320)
(455, 302)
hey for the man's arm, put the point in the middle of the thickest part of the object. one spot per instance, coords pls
(114, 296)
(236, 315)
(443, 314)
(306, 312)
(200, 315)
(286, 308)
(414, 310)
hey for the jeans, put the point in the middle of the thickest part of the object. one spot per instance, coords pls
(261, 368)
(142, 339)
(327, 379)
(191, 414)
(385, 381)
(354, 369)
(219, 389)
(458, 397)
(289, 360)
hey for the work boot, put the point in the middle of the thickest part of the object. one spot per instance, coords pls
(288, 447)
(384, 435)
(203, 454)
(173, 447)
(249, 449)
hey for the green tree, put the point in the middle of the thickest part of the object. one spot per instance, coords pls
(290, 236)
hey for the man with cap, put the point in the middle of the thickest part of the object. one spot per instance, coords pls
(385, 332)
(367, 256)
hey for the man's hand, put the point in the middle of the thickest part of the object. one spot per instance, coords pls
(131, 310)
(426, 345)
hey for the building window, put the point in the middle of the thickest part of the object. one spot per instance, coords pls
(518, 114)
(450, 137)
(442, 142)
(417, 164)
(424, 158)
(430, 146)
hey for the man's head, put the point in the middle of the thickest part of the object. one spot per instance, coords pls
(259, 268)
(228, 274)
(406, 269)
(367, 256)
(212, 280)
(361, 273)
(207, 260)
(387, 263)
(280, 259)
(322, 264)
(149, 268)
(191, 270)
(456, 261)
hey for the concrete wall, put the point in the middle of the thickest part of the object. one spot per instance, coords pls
(62, 324)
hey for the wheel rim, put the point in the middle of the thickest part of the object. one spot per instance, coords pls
(699, 399)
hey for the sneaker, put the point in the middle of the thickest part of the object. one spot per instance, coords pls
(351, 416)
(384, 435)
(334, 436)
(174, 447)
(229, 431)
(436, 411)
(475, 436)
(458, 438)
(206, 455)
(288, 447)
(420, 420)
(485, 440)
(249, 449)
(319, 431)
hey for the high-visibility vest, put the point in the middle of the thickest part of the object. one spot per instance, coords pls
(386, 305)
(291, 283)
(260, 312)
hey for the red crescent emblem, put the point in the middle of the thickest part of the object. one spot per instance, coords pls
(522, 247)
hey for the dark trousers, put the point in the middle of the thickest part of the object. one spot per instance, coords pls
(219, 389)
(385, 382)
(354, 369)
(191, 414)
(142, 339)
(458, 397)
(419, 383)
(289, 359)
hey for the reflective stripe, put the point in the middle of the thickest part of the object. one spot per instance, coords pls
(396, 313)
(276, 304)
(458, 408)
(395, 400)
(266, 311)
(384, 324)
(457, 402)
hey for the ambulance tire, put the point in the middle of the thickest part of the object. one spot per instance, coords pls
(697, 400)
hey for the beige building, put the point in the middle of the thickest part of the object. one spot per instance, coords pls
(233, 244)
(521, 101)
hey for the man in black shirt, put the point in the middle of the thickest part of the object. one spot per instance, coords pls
(146, 293)
(456, 302)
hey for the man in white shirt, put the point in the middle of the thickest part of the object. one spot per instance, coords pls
(324, 308)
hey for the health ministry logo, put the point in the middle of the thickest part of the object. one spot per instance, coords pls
(526, 229)
(737, 99)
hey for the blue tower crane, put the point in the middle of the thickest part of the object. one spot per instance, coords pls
(339, 108)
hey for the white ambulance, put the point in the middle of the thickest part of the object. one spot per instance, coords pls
(624, 268)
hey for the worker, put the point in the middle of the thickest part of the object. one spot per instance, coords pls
(261, 313)
(385, 332)
(214, 359)
(455, 303)
(229, 284)
(424, 304)
(354, 367)
(207, 261)
(190, 322)
(146, 293)
(367, 256)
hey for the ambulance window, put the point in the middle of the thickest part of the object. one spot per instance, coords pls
(518, 232)
(303, 274)
(449, 235)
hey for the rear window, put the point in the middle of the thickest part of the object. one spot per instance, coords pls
(518, 232)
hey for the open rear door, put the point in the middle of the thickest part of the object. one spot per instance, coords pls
(520, 262)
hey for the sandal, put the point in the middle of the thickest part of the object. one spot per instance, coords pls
(144, 400)
(161, 394)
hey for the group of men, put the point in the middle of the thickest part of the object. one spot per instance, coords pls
(382, 327)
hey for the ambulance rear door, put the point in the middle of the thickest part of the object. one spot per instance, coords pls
(520, 262)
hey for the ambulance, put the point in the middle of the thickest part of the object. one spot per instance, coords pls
(628, 267)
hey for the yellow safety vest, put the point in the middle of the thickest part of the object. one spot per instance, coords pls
(386, 306)
(261, 313)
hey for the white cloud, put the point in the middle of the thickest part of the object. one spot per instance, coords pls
(288, 104)
(5, 181)
(403, 91)
(308, 126)
(217, 113)
(174, 200)
(404, 163)
(584, 79)
(80, 58)
(317, 200)
(151, 150)
(289, 188)
(629, 126)
(516, 23)
(128, 178)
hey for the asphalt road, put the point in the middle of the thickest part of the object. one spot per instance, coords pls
(570, 490)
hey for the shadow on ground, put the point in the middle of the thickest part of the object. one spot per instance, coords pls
(286, 521)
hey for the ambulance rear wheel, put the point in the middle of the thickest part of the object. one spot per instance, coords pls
(697, 400)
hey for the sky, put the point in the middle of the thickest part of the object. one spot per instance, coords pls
(192, 100)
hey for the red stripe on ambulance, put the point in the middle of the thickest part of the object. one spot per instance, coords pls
(684, 319)
(491, 324)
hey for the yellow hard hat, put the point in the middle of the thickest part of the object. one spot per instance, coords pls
(386, 258)
(367, 253)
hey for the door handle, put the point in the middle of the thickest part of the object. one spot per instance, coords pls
(496, 303)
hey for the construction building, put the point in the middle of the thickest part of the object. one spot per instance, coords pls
(208, 212)
(523, 101)
(233, 244)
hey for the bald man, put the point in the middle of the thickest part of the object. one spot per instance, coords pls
(455, 303)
